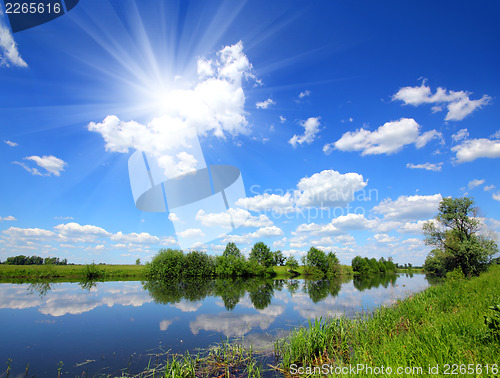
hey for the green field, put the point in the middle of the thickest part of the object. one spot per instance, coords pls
(70, 271)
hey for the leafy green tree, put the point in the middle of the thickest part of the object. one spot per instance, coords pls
(262, 254)
(292, 262)
(317, 258)
(279, 259)
(360, 265)
(232, 250)
(333, 263)
(456, 233)
(138, 262)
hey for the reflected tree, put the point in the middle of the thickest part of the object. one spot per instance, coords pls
(41, 288)
(372, 281)
(261, 294)
(316, 289)
(231, 291)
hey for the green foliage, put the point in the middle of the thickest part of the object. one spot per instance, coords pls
(364, 266)
(455, 234)
(138, 262)
(279, 259)
(34, 260)
(166, 264)
(455, 275)
(232, 250)
(316, 258)
(262, 254)
(93, 271)
(493, 323)
(292, 262)
(198, 264)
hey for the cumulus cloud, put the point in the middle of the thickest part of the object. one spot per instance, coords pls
(51, 164)
(231, 217)
(472, 149)
(9, 218)
(214, 105)
(312, 127)
(191, 233)
(9, 54)
(266, 201)
(409, 207)
(496, 196)
(459, 104)
(475, 183)
(436, 167)
(328, 188)
(265, 104)
(10, 143)
(387, 139)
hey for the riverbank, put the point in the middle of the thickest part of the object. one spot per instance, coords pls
(72, 272)
(75, 272)
(436, 328)
(438, 331)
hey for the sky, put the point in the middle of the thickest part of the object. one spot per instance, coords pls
(336, 124)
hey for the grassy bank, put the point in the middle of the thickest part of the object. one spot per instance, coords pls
(71, 271)
(441, 325)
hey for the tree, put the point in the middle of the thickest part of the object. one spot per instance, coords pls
(279, 259)
(138, 262)
(333, 264)
(292, 262)
(232, 250)
(455, 232)
(262, 254)
(317, 258)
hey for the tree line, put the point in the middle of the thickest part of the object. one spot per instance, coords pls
(34, 260)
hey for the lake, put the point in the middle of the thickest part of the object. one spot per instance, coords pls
(103, 327)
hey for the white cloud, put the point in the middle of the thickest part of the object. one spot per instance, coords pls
(413, 227)
(306, 93)
(12, 144)
(459, 104)
(384, 238)
(215, 105)
(487, 188)
(266, 201)
(472, 149)
(263, 232)
(265, 104)
(173, 217)
(191, 233)
(164, 324)
(28, 233)
(232, 217)
(475, 183)
(9, 218)
(135, 238)
(496, 135)
(459, 135)
(51, 164)
(328, 188)
(436, 167)
(346, 239)
(496, 196)
(387, 139)
(312, 127)
(282, 119)
(8, 48)
(409, 207)
(77, 233)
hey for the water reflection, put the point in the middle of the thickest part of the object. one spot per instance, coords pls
(109, 321)
(374, 281)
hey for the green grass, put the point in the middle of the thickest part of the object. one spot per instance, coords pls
(71, 271)
(441, 325)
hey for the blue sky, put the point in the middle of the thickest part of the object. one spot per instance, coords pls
(349, 122)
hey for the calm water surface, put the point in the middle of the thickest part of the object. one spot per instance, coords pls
(96, 327)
